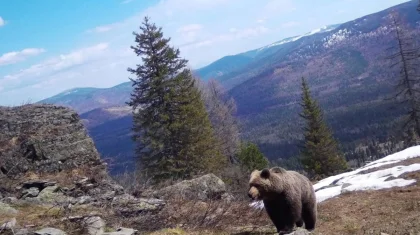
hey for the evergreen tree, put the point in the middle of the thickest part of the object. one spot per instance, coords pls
(251, 157)
(406, 59)
(320, 154)
(171, 128)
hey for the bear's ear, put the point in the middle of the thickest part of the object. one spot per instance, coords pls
(278, 170)
(265, 173)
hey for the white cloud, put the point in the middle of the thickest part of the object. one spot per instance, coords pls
(190, 32)
(232, 35)
(17, 56)
(190, 28)
(2, 22)
(58, 63)
(102, 28)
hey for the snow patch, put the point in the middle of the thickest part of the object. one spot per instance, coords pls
(337, 37)
(292, 39)
(356, 181)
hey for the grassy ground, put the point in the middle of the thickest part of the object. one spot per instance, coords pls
(390, 211)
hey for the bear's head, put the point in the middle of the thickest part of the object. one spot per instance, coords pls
(265, 182)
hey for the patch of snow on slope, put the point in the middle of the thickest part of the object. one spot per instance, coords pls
(355, 181)
(337, 37)
(292, 39)
(328, 193)
(281, 42)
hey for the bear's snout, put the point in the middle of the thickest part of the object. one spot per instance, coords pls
(253, 193)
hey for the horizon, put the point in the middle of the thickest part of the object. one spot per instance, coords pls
(94, 51)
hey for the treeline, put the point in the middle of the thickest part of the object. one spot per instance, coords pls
(184, 127)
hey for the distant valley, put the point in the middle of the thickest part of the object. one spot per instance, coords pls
(345, 66)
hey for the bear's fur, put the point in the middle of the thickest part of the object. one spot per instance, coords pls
(289, 197)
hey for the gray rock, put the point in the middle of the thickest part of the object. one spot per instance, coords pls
(123, 231)
(85, 200)
(9, 200)
(94, 225)
(44, 138)
(50, 231)
(30, 192)
(6, 209)
(52, 194)
(202, 188)
(23, 231)
(253, 230)
(130, 206)
(8, 225)
(227, 197)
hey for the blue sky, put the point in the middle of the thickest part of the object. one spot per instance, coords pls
(48, 46)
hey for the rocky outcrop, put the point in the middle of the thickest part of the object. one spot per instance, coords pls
(45, 138)
(47, 160)
(50, 231)
(202, 188)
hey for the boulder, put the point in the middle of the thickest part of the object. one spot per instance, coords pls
(52, 194)
(9, 200)
(5, 209)
(128, 205)
(43, 138)
(30, 192)
(22, 231)
(8, 225)
(202, 188)
(49, 231)
(94, 225)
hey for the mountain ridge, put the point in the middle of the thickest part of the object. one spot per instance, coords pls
(346, 71)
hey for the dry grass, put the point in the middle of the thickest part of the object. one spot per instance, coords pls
(40, 216)
(391, 211)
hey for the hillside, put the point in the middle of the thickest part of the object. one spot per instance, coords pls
(346, 70)
(53, 182)
(223, 68)
(87, 99)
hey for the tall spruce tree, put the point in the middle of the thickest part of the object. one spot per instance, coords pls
(171, 128)
(319, 154)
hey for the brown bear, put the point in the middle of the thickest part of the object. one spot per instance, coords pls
(288, 197)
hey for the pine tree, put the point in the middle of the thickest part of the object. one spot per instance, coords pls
(406, 59)
(173, 134)
(320, 154)
(251, 157)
